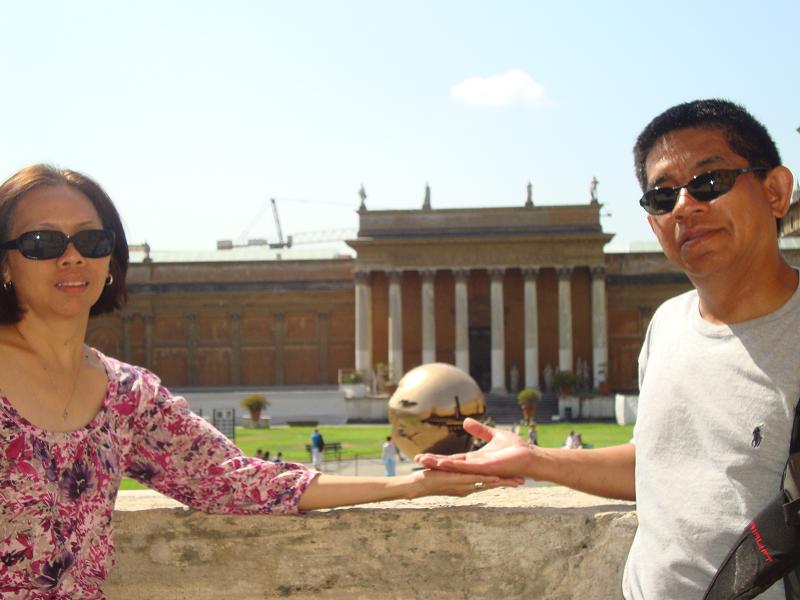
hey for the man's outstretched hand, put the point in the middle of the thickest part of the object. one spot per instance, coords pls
(505, 455)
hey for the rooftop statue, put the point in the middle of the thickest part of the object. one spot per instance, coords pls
(362, 193)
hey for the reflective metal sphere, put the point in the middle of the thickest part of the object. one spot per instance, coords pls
(429, 406)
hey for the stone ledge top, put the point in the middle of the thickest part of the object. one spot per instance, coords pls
(549, 497)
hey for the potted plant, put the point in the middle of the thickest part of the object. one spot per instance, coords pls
(564, 381)
(390, 386)
(527, 399)
(352, 384)
(385, 375)
(352, 377)
(255, 403)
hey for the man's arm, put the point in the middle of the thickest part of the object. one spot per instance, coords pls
(605, 472)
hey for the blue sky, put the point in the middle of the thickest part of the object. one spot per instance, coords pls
(193, 114)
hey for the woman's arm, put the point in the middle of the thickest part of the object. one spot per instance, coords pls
(329, 491)
(182, 456)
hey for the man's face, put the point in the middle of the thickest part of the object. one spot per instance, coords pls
(727, 236)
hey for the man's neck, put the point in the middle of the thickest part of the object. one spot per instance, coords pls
(724, 300)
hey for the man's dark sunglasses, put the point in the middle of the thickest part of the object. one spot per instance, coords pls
(704, 187)
(46, 244)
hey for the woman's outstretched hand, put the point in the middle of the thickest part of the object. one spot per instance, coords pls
(430, 482)
(329, 491)
(506, 455)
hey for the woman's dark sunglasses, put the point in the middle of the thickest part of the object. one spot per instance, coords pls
(46, 244)
(704, 187)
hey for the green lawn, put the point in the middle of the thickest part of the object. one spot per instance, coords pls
(366, 441)
(598, 435)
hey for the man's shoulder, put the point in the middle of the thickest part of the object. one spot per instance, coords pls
(677, 306)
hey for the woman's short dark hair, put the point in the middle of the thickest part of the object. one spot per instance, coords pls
(745, 135)
(37, 176)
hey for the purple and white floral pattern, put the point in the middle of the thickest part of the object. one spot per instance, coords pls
(57, 489)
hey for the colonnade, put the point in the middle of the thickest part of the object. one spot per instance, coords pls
(363, 316)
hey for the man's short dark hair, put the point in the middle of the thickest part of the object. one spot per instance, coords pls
(30, 178)
(745, 135)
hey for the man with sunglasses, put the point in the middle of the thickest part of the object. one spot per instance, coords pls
(718, 364)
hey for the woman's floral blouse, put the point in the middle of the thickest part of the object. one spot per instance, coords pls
(57, 490)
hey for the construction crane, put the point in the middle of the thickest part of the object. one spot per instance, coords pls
(280, 243)
(304, 237)
(327, 235)
(243, 240)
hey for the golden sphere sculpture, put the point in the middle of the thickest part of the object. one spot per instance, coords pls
(429, 406)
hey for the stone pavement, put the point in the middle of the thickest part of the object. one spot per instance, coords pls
(364, 467)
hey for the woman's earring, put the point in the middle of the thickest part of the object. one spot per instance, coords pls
(7, 286)
(109, 279)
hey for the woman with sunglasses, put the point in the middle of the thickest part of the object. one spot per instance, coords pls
(73, 422)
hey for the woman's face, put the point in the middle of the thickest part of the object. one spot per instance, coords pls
(66, 286)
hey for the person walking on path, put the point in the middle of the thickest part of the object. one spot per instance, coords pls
(390, 454)
(317, 446)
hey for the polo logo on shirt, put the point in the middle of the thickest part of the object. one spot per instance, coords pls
(758, 435)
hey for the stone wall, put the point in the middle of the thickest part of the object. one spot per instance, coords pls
(326, 406)
(533, 543)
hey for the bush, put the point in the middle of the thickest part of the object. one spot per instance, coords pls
(352, 377)
(564, 380)
(255, 402)
(527, 396)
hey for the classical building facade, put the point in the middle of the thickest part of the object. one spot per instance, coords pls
(499, 292)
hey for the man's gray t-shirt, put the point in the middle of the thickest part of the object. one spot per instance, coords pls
(712, 435)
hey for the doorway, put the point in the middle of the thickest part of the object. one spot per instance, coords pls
(480, 356)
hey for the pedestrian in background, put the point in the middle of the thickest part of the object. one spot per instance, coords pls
(390, 454)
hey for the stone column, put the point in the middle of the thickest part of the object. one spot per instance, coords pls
(235, 329)
(498, 331)
(599, 327)
(191, 348)
(565, 319)
(279, 335)
(428, 317)
(531, 328)
(363, 321)
(462, 319)
(323, 333)
(395, 324)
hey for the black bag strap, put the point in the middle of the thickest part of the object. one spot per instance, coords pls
(769, 547)
(794, 443)
(791, 581)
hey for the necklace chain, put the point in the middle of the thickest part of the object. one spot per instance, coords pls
(65, 413)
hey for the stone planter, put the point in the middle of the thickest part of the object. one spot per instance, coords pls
(626, 408)
(353, 390)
